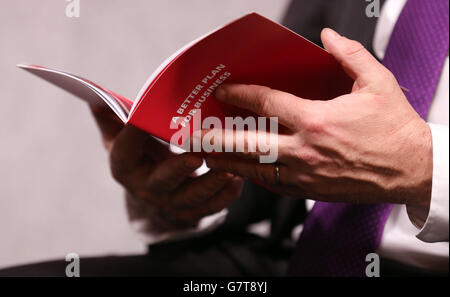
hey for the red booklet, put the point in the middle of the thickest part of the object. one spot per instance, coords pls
(249, 50)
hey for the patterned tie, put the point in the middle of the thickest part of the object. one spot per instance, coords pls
(337, 236)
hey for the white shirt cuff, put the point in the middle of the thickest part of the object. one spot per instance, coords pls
(436, 226)
(206, 225)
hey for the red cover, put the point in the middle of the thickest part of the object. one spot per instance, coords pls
(254, 50)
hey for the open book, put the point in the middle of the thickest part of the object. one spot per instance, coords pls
(249, 50)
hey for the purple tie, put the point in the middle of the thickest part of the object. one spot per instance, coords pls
(337, 236)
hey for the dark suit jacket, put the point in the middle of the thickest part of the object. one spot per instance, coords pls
(347, 17)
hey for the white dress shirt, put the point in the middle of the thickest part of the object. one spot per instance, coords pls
(401, 240)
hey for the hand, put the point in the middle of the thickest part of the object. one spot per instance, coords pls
(368, 146)
(161, 185)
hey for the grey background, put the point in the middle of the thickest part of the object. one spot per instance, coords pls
(56, 193)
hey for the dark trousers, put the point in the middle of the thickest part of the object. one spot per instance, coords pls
(213, 255)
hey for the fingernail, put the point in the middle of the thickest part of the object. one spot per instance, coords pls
(220, 93)
(332, 34)
(225, 176)
(229, 175)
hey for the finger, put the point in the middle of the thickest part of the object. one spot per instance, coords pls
(230, 192)
(264, 173)
(156, 150)
(169, 174)
(222, 140)
(127, 152)
(267, 147)
(264, 101)
(354, 58)
(200, 189)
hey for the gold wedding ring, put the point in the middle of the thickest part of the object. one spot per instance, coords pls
(277, 174)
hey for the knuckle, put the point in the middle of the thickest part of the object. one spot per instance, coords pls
(382, 100)
(354, 48)
(264, 95)
(386, 79)
(315, 124)
(309, 158)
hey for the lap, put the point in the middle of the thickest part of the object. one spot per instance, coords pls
(237, 255)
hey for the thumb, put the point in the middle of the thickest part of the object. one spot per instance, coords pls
(359, 63)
